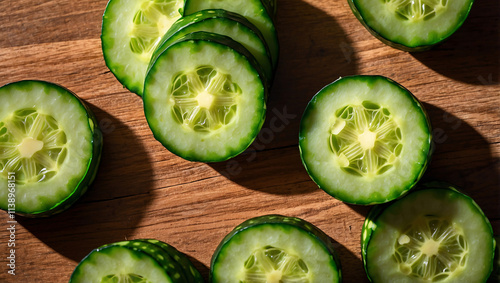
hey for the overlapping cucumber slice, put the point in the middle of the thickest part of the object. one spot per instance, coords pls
(50, 143)
(131, 31)
(141, 261)
(411, 25)
(434, 234)
(204, 97)
(365, 139)
(275, 249)
(224, 23)
(253, 10)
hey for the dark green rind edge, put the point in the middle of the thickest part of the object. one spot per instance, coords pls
(377, 210)
(166, 262)
(275, 61)
(210, 14)
(92, 167)
(301, 224)
(270, 6)
(345, 197)
(103, 248)
(223, 42)
(400, 46)
(495, 274)
(109, 63)
(191, 273)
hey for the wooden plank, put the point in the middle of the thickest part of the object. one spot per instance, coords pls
(143, 191)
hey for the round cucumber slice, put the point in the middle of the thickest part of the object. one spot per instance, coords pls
(253, 10)
(434, 234)
(275, 249)
(365, 139)
(50, 148)
(224, 23)
(131, 31)
(411, 25)
(204, 98)
(117, 263)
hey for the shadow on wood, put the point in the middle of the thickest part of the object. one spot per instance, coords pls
(277, 171)
(472, 54)
(463, 158)
(311, 56)
(314, 51)
(115, 202)
(352, 266)
(203, 269)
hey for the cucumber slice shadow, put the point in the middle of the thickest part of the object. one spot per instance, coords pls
(200, 266)
(467, 162)
(476, 41)
(310, 57)
(117, 199)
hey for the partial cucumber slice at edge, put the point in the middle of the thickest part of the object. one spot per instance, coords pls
(269, 244)
(452, 216)
(411, 26)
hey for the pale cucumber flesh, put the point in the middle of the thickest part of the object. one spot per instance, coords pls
(431, 235)
(365, 139)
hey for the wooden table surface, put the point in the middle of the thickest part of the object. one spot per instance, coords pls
(144, 191)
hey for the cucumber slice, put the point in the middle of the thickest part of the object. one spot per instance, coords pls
(365, 139)
(435, 234)
(51, 142)
(190, 272)
(274, 249)
(411, 25)
(253, 10)
(131, 30)
(130, 261)
(204, 98)
(224, 23)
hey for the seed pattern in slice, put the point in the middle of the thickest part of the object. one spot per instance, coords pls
(150, 23)
(124, 278)
(431, 249)
(365, 138)
(416, 10)
(273, 265)
(31, 144)
(204, 99)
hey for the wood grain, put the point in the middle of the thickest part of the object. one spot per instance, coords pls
(144, 191)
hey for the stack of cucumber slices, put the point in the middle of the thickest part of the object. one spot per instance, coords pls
(140, 261)
(50, 148)
(203, 68)
(275, 249)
